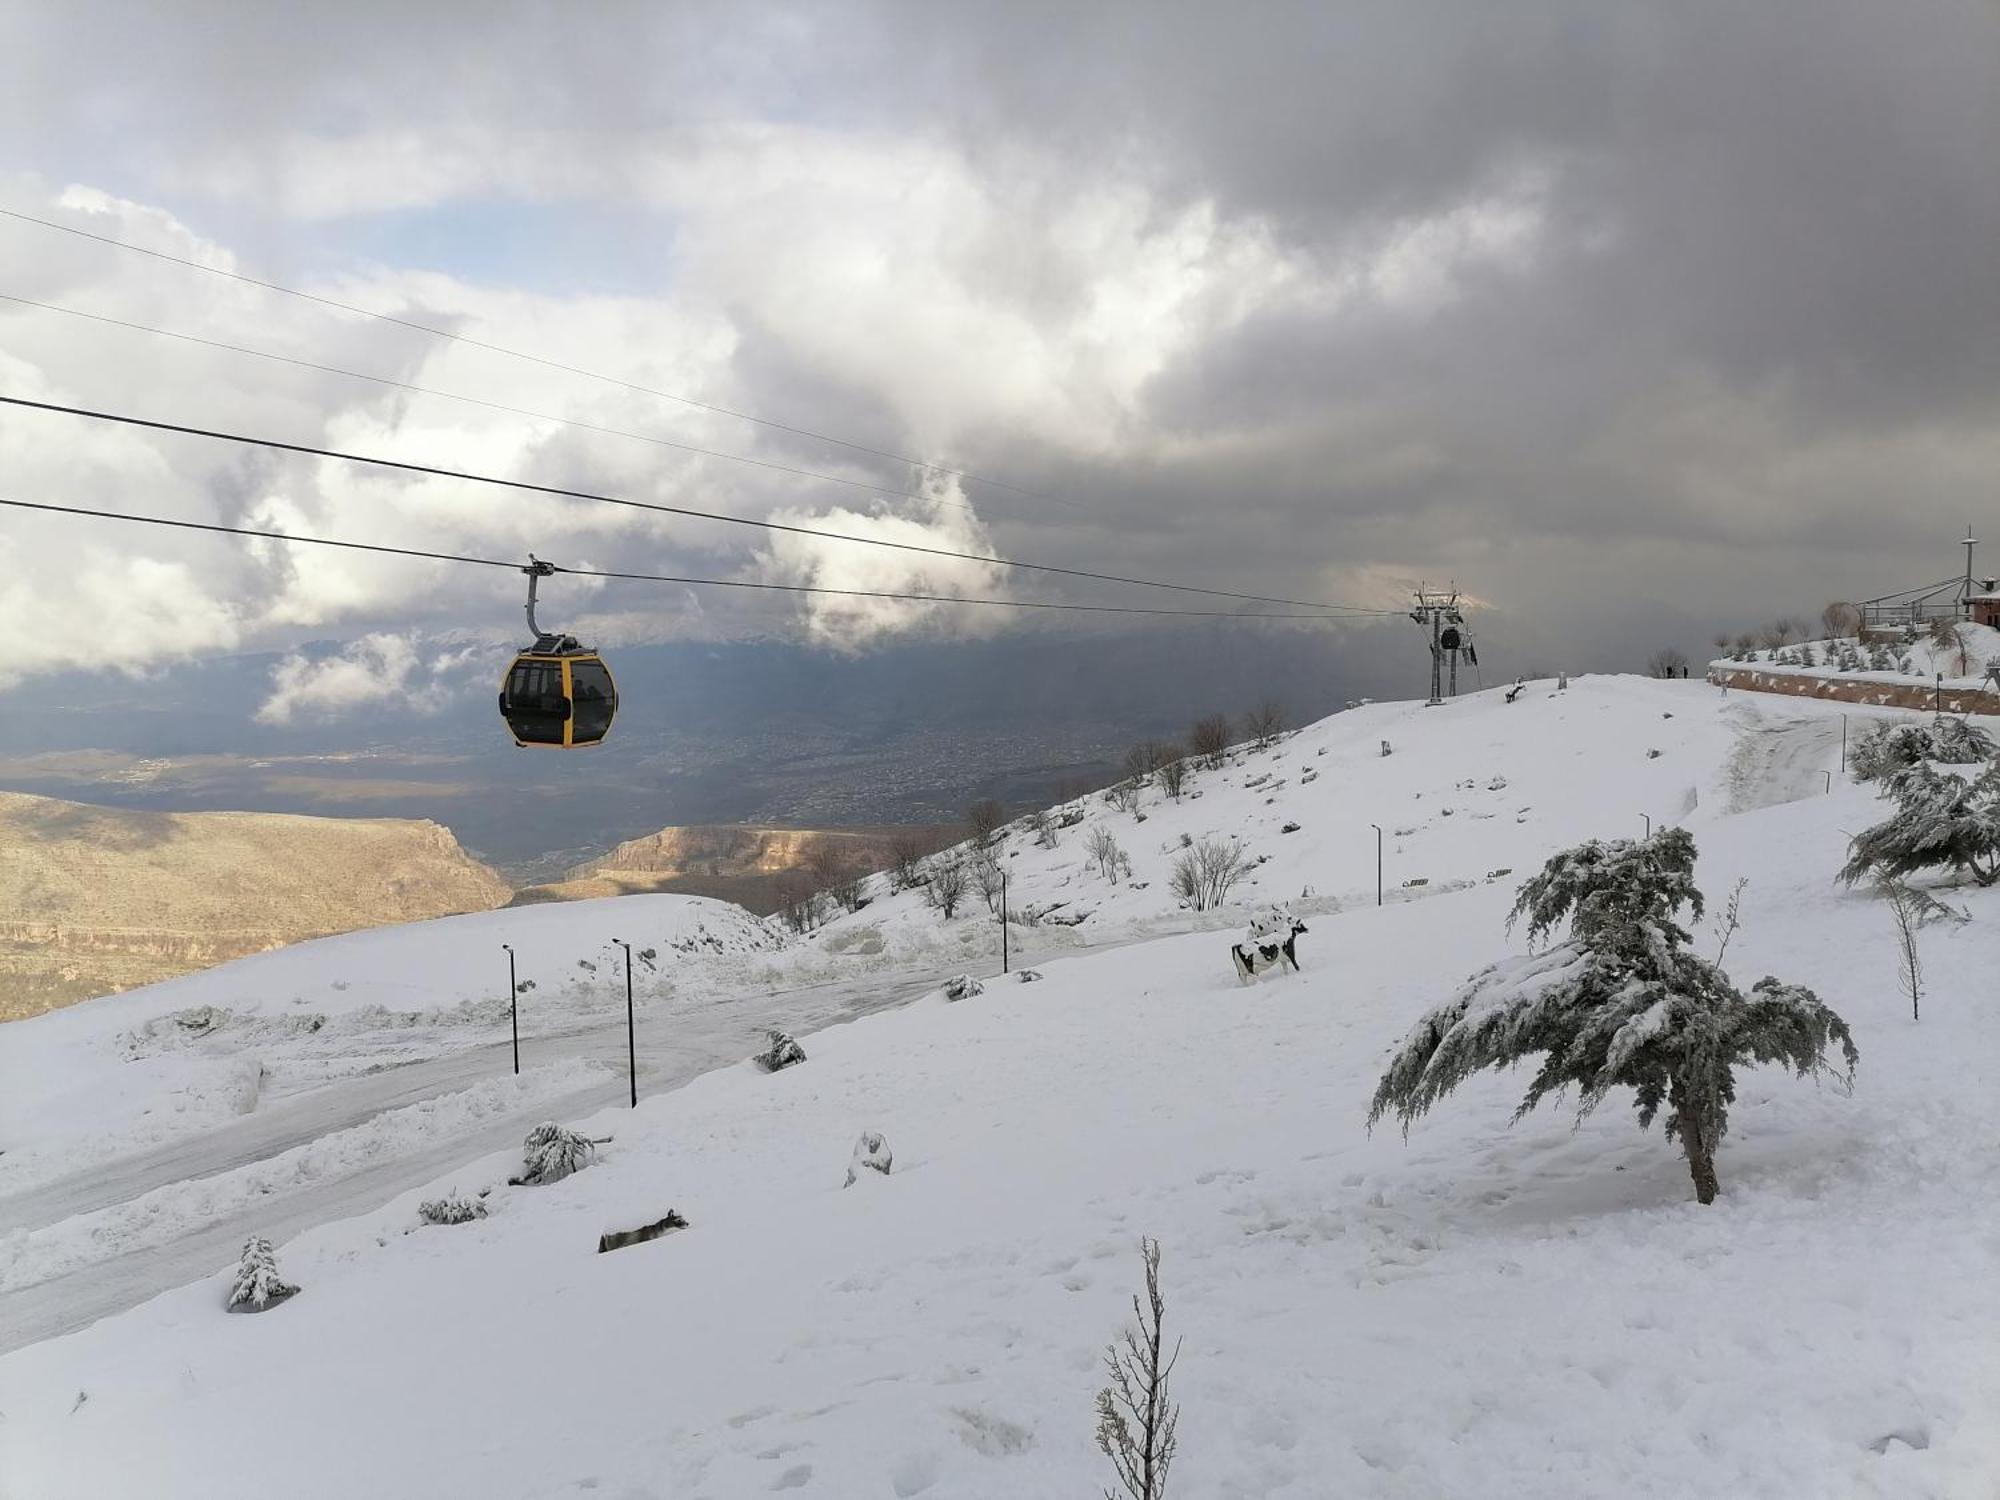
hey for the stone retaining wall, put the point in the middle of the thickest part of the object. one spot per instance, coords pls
(1920, 695)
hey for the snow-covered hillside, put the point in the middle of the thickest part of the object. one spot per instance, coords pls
(1484, 1310)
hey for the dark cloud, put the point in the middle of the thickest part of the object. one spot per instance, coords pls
(1707, 305)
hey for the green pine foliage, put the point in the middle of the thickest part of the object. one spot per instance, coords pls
(1942, 821)
(1621, 1002)
(1888, 747)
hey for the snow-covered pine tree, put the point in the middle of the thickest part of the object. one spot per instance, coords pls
(551, 1153)
(258, 1285)
(1621, 1002)
(1888, 748)
(1942, 820)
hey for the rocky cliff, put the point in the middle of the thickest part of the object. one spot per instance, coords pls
(95, 900)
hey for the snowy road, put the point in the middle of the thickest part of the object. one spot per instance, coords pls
(673, 1048)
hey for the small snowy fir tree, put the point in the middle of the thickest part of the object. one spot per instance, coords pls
(783, 1052)
(963, 987)
(258, 1285)
(871, 1154)
(453, 1208)
(1622, 1001)
(1942, 821)
(551, 1153)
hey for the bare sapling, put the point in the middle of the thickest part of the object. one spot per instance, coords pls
(1136, 1419)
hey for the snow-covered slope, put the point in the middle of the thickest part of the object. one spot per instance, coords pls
(1479, 785)
(1483, 1310)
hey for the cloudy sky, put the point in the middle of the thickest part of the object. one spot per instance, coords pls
(1626, 317)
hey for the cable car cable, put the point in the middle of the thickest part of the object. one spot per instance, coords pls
(553, 364)
(672, 510)
(864, 485)
(606, 573)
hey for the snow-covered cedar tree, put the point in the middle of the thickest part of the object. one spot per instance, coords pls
(1942, 820)
(1888, 748)
(963, 987)
(551, 1153)
(1621, 1002)
(453, 1208)
(258, 1284)
(783, 1051)
(871, 1154)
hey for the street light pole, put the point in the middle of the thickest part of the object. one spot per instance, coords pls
(514, 1006)
(1843, 744)
(1378, 862)
(631, 1043)
(1649, 823)
(1003, 921)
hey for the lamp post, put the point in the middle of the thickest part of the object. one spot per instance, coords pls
(1378, 862)
(1843, 744)
(1649, 823)
(1003, 921)
(514, 1006)
(631, 1044)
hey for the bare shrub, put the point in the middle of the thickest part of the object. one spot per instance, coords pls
(1043, 827)
(1840, 620)
(945, 888)
(906, 862)
(1124, 796)
(985, 818)
(1264, 723)
(1669, 661)
(1203, 875)
(1172, 774)
(1105, 853)
(1136, 1417)
(1208, 740)
(989, 880)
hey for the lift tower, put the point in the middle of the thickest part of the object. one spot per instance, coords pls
(1440, 614)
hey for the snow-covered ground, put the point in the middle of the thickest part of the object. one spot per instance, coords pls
(1479, 1311)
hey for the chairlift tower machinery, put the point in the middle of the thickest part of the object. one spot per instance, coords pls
(1439, 612)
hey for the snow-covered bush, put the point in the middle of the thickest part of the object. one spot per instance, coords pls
(1621, 1002)
(453, 1208)
(1887, 748)
(871, 1154)
(258, 1285)
(1026, 976)
(1203, 875)
(782, 1052)
(963, 987)
(1942, 821)
(1172, 772)
(1043, 828)
(551, 1153)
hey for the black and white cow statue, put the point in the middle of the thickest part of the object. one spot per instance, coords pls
(1269, 942)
